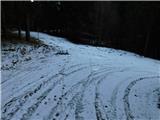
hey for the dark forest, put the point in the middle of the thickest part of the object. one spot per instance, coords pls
(131, 26)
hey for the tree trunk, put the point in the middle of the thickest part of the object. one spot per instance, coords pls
(19, 32)
(27, 28)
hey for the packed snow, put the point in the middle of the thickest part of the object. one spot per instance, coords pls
(59, 80)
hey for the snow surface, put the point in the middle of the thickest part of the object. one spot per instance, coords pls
(64, 81)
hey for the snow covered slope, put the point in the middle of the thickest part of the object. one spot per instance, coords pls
(65, 81)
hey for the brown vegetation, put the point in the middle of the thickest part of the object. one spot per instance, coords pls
(14, 38)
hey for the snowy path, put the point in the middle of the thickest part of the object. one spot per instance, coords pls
(88, 84)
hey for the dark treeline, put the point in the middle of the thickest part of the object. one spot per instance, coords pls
(132, 26)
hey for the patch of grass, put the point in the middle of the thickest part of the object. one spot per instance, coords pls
(15, 39)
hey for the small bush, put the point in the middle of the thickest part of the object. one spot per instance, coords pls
(61, 52)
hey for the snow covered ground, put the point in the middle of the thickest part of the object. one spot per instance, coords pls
(64, 81)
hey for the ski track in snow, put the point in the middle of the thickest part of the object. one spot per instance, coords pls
(72, 88)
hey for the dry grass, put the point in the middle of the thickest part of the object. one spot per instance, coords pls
(14, 38)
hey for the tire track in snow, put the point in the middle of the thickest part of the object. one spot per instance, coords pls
(28, 71)
(100, 109)
(33, 107)
(113, 101)
(71, 92)
(127, 109)
(154, 97)
(79, 104)
(76, 97)
(114, 98)
(157, 92)
(17, 102)
(79, 99)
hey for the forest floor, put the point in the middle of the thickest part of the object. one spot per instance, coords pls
(59, 80)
